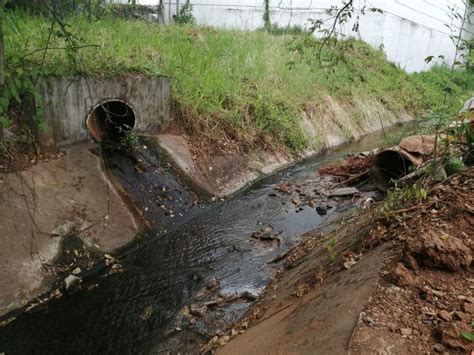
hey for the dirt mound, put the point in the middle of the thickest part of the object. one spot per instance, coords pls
(351, 166)
(425, 302)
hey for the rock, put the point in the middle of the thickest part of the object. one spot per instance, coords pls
(439, 250)
(267, 234)
(233, 333)
(405, 331)
(223, 340)
(462, 316)
(76, 271)
(411, 262)
(439, 173)
(249, 295)
(368, 202)
(244, 325)
(369, 321)
(451, 335)
(198, 309)
(146, 314)
(439, 348)
(350, 263)
(343, 191)
(444, 315)
(72, 284)
(402, 275)
(321, 210)
(468, 308)
(436, 293)
(213, 284)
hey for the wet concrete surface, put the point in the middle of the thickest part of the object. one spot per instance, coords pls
(137, 311)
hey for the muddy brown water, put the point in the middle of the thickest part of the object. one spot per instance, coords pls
(166, 270)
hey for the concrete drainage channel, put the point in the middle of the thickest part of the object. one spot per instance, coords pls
(140, 310)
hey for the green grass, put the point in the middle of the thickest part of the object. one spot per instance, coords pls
(250, 87)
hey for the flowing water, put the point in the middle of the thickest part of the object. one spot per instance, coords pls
(166, 270)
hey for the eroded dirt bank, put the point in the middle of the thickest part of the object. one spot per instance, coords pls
(402, 285)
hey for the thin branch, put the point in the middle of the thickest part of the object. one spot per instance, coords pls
(333, 28)
(44, 53)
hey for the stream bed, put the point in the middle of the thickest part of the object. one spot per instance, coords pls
(209, 253)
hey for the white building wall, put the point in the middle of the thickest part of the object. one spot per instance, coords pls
(408, 30)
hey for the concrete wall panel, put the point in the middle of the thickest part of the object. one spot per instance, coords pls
(68, 101)
(408, 30)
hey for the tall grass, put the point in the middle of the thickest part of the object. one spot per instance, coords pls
(245, 86)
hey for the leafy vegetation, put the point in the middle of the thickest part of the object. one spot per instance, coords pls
(185, 14)
(242, 86)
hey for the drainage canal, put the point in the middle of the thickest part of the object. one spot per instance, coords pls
(110, 120)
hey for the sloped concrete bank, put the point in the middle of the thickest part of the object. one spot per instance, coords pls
(43, 206)
(326, 125)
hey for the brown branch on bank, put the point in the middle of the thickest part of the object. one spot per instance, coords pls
(353, 178)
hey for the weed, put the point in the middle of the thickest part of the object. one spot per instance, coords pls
(127, 139)
(277, 30)
(400, 197)
(250, 87)
(185, 14)
(329, 248)
(331, 243)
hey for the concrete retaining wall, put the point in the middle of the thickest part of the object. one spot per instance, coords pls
(407, 30)
(67, 102)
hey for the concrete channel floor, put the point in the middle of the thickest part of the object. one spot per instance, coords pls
(41, 204)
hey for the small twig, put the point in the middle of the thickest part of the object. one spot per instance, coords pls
(383, 128)
(408, 209)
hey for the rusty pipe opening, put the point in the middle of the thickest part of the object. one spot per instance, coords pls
(110, 120)
(390, 165)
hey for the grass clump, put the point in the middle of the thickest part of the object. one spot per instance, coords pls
(249, 87)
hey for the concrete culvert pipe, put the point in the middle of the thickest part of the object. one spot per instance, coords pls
(110, 120)
(390, 165)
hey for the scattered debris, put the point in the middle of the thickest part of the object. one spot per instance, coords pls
(444, 315)
(450, 334)
(402, 275)
(343, 192)
(406, 331)
(146, 314)
(198, 309)
(267, 234)
(351, 166)
(350, 263)
(72, 284)
(213, 284)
